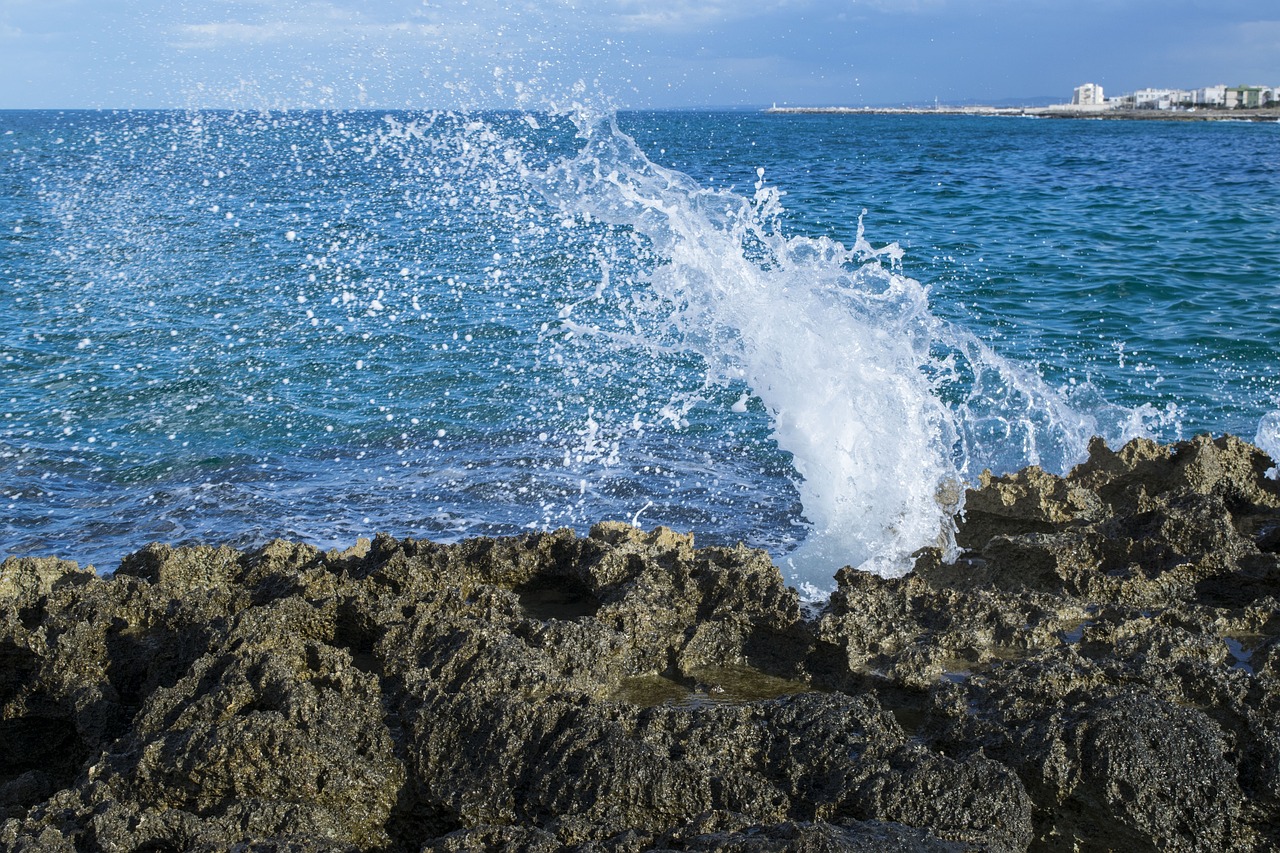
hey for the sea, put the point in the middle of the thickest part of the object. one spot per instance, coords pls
(805, 333)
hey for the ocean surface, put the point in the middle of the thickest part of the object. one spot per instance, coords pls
(806, 333)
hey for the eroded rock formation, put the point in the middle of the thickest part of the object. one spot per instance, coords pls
(1099, 670)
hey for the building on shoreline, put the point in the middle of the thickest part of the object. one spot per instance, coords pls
(1239, 103)
(1089, 97)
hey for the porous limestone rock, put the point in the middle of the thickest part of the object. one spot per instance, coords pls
(1097, 670)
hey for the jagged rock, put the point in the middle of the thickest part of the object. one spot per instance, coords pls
(1099, 669)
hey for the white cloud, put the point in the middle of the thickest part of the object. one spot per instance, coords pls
(686, 15)
(912, 7)
(227, 33)
(1231, 53)
(259, 22)
(194, 36)
(1265, 33)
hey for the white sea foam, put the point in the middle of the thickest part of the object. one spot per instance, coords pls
(1268, 439)
(885, 408)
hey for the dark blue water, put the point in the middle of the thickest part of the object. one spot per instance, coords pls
(229, 328)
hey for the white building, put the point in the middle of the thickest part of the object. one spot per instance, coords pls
(1088, 95)
(1089, 98)
(1162, 99)
(1211, 96)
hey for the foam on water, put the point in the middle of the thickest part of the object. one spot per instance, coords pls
(1268, 439)
(884, 407)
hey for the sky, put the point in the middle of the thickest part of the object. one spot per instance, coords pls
(268, 54)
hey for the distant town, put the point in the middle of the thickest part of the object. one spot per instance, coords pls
(1090, 97)
(1240, 103)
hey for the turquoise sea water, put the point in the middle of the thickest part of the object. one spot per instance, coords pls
(232, 327)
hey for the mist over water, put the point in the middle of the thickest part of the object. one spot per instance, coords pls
(230, 327)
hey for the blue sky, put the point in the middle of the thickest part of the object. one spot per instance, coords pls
(634, 53)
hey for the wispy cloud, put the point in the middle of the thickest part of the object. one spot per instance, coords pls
(1260, 32)
(911, 7)
(223, 33)
(30, 19)
(228, 33)
(685, 15)
(264, 23)
(1235, 53)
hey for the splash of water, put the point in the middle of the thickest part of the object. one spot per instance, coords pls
(1268, 439)
(696, 365)
(884, 407)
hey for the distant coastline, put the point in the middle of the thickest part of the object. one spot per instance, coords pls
(1261, 114)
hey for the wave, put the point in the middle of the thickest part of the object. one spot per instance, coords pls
(886, 409)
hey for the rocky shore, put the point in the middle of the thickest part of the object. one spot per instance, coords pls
(1099, 670)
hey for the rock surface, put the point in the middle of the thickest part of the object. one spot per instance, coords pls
(1100, 669)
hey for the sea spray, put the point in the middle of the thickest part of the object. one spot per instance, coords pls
(830, 344)
(853, 368)
(1268, 438)
(233, 327)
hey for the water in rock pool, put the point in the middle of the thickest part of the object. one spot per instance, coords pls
(807, 333)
